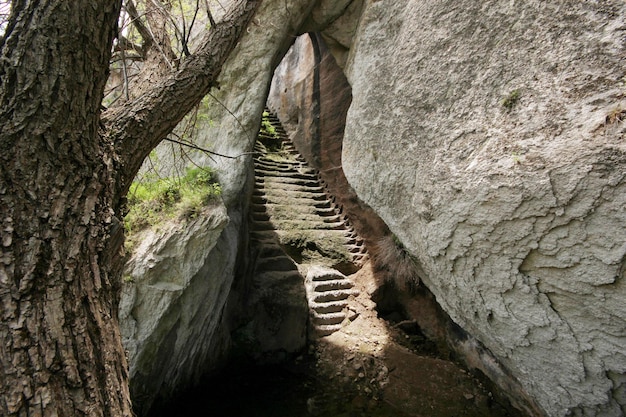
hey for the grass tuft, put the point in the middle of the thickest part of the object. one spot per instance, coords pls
(400, 267)
(151, 202)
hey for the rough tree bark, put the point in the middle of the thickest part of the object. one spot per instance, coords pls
(64, 172)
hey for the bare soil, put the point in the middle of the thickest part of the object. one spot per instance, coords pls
(374, 361)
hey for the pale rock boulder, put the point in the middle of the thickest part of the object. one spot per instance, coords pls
(490, 138)
(175, 287)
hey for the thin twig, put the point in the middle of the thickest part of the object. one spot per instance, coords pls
(208, 13)
(193, 21)
(231, 113)
(124, 73)
(192, 146)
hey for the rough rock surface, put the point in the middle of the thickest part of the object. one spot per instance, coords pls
(170, 311)
(489, 137)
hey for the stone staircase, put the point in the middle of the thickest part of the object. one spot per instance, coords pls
(297, 229)
(329, 294)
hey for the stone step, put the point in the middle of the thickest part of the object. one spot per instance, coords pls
(293, 210)
(258, 208)
(267, 235)
(292, 193)
(271, 250)
(295, 175)
(327, 329)
(298, 225)
(330, 285)
(262, 181)
(265, 162)
(328, 318)
(336, 295)
(266, 278)
(259, 216)
(290, 186)
(257, 225)
(290, 189)
(288, 213)
(283, 167)
(328, 307)
(356, 248)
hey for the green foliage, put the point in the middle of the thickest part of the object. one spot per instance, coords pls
(511, 100)
(154, 200)
(266, 126)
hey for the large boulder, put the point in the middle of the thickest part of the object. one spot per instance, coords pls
(490, 138)
(176, 284)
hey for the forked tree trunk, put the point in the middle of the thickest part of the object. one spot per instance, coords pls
(63, 173)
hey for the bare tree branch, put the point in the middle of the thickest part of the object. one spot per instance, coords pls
(137, 126)
(208, 13)
(198, 148)
(145, 33)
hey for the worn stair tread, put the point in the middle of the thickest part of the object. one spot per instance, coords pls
(356, 248)
(295, 175)
(329, 306)
(271, 249)
(297, 225)
(327, 329)
(278, 278)
(331, 284)
(336, 295)
(285, 166)
(326, 319)
(265, 181)
(293, 187)
(288, 192)
(295, 210)
(258, 225)
(268, 234)
(278, 217)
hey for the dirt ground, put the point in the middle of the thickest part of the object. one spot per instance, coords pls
(373, 361)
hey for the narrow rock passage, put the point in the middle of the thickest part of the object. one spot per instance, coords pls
(298, 230)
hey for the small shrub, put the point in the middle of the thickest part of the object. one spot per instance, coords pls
(401, 268)
(267, 128)
(511, 100)
(152, 201)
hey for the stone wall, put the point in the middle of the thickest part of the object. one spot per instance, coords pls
(489, 137)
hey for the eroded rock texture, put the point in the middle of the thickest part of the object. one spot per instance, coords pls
(489, 137)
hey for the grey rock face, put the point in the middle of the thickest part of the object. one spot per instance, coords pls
(486, 135)
(177, 283)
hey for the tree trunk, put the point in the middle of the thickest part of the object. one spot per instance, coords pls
(61, 352)
(62, 181)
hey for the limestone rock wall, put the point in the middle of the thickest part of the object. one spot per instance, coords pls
(489, 137)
